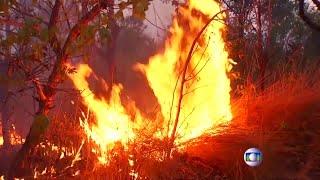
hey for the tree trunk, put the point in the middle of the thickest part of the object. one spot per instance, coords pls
(111, 48)
(261, 57)
(31, 141)
(241, 20)
(47, 92)
(5, 115)
(5, 110)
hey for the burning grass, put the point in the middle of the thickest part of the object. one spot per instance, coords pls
(100, 138)
(283, 121)
(15, 138)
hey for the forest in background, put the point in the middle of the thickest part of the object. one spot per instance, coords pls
(276, 45)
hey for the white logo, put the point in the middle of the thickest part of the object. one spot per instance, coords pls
(253, 157)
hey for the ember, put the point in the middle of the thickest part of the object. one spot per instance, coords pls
(15, 138)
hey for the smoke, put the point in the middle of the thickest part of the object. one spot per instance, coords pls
(133, 46)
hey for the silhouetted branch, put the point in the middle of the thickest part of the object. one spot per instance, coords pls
(317, 3)
(305, 18)
(39, 89)
(52, 24)
(59, 66)
(183, 80)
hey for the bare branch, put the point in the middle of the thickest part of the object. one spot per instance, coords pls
(54, 43)
(66, 16)
(317, 3)
(305, 18)
(39, 89)
(183, 80)
(55, 77)
(155, 25)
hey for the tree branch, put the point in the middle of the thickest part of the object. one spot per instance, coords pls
(39, 89)
(59, 66)
(305, 18)
(53, 40)
(75, 31)
(46, 93)
(317, 3)
(183, 80)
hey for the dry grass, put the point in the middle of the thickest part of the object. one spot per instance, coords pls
(283, 121)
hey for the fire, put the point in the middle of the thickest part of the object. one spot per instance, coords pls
(113, 123)
(1, 140)
(206, 98)
(15, 138)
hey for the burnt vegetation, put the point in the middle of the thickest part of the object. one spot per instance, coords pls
(275, 85)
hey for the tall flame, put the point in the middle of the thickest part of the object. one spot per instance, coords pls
(206, 99)
(113, 123)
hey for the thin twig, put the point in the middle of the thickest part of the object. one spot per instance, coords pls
(173, 134)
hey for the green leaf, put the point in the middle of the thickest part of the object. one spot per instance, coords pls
(37, 51)
(123, 5)
(39, 125)
(104, 20)
(27, 31)
(52, 32)
(11, 39)
(119, 15)
(104, 33)
(139, 8)
(44, 34)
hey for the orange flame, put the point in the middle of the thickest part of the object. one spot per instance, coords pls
(206, 99)
(113, 123)
(1, 140)
(15, 138)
